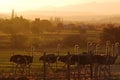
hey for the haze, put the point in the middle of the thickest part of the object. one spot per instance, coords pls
(31, 8)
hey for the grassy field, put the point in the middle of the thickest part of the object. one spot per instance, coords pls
(37, 66)
(6, 54)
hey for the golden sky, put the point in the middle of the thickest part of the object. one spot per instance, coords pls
(24, 5)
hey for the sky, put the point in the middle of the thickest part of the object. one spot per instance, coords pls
(25, 5)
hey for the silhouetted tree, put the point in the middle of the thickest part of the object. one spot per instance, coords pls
(39, 26)
(82, 29)
(72, 40)
(20, 25)
(35, 27)
(60, 26)
(6, 26)
(19, 41)
(36, 43)
(111, 34)
(46, 25)
(16, 25)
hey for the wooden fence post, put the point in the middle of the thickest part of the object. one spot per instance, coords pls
(91, 66)
(13, 66)
(68, 69)
(44, 67)
(78, 65)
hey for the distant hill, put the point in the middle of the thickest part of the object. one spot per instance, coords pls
(110, 19)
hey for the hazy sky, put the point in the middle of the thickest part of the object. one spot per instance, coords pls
(24, 5)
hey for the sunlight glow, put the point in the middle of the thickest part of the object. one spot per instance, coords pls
(23, 5)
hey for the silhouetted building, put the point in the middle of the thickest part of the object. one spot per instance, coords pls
(37, 19)
(13, 14)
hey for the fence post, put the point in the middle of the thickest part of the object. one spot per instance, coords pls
(78, 65)
(68, 69)
(91, 66)
(44, 67)
(108, 48)
(13, 70)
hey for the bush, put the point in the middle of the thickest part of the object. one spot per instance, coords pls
(111, 34)
(19, 41)
(36, 42)
(72, 40)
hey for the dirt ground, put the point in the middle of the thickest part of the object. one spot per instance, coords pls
(115, 69)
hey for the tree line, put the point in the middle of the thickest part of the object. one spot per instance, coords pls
(21, 29)
(37, 26)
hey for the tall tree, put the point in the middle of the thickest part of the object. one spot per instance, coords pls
(111, 34)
